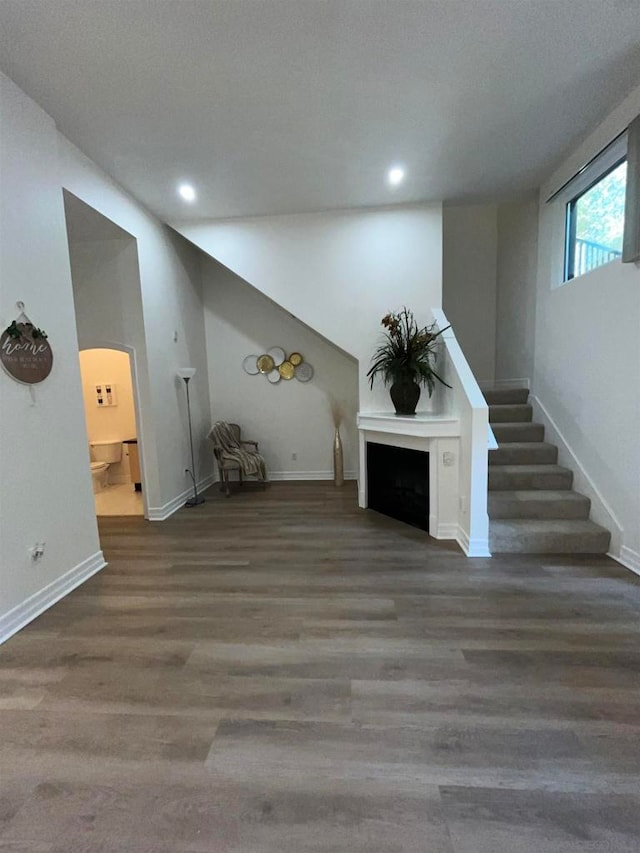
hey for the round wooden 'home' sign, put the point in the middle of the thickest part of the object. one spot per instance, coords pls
(25, 353)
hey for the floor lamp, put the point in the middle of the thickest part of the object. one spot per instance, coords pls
(188, 373)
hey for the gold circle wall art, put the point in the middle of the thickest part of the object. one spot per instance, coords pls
(265, 363)
(277, 354)
(250, 365)
(286, 370)
(304, 372)
(276, 365)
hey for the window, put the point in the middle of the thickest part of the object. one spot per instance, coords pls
(594, 217)
(595, 222)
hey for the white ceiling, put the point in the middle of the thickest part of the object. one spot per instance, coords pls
(277, 106)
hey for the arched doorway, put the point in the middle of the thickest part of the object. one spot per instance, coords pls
(109, 388)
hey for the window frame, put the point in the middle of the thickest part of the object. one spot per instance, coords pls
(571, 220)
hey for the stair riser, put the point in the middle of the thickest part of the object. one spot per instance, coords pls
(531, 507)
(510, 414)
(518, 432)
(501, 480)
(499, 396)
(545, 543)
(504, 507)
(542, 454)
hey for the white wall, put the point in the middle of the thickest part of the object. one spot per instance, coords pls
(338, 272)
(106, 291)
(470, 250)
(109, 423)
(587, 360)
(516, 289)
(109, 312)
(287, 418)
(171, 298)
(43, 444)
(490, 254)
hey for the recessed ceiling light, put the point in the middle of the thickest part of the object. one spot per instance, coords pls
(187, 192)
(395, 175)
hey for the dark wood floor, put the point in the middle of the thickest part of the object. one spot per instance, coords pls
(281, 672)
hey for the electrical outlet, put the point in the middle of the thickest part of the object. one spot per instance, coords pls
(448, 459)
(294, 456)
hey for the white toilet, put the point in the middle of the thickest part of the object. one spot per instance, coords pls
(103, 454)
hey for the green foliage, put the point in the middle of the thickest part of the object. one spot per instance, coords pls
(23, 330)
(13, 331)
(600, 211)
(408, 352)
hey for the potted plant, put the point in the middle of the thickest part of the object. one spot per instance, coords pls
(406, 359)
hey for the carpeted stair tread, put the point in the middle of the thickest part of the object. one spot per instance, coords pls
(532, 508)
(497, 396)
(524, 453)
(519, 477)
(536, 503)
(510, 413)
(547, 536)
(507, 432)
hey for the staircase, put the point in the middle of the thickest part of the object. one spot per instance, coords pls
(532, 508)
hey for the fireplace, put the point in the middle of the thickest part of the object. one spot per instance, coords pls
(398, 483)
(435, 438)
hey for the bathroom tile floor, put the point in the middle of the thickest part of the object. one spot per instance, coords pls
(119, 500)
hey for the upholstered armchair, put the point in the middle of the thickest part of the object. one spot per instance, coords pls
(232, 453)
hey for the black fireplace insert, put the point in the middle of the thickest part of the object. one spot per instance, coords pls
(398, 483)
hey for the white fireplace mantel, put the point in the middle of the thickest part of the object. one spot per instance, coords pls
(423, 424)
(436, 434)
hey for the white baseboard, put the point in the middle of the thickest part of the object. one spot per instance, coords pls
(447, 531)
(308, 475)
(486, 384)
(472, 547)
(40, 601)
(161, 513)
(628, 558)
(601, 512)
